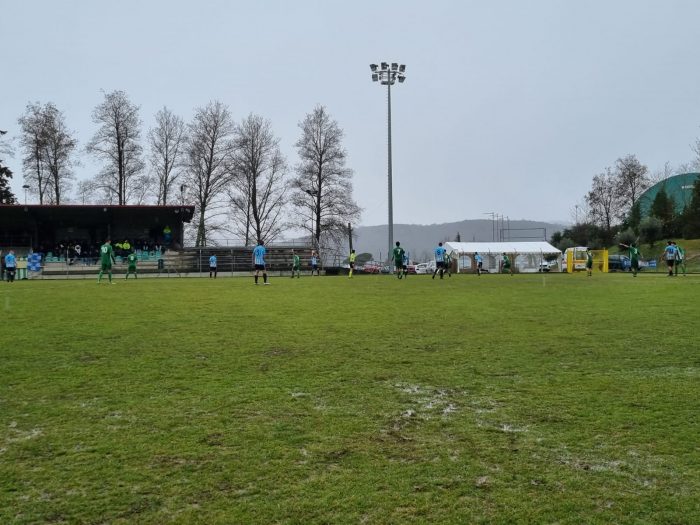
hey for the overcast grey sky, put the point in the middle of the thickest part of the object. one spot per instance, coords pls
(508, 106)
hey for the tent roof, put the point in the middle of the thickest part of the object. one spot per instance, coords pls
(501, 247)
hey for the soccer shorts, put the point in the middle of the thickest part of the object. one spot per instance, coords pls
(260, 267)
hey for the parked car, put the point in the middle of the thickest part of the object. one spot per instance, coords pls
(547, 266)
(421, 268)
(372, 267)
(619, 263)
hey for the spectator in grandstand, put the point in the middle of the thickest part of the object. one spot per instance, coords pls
(259, 262)
(296, 265)
(314, 263)
(167, 235)
(439, 260)
(212, 266)
(10, 266)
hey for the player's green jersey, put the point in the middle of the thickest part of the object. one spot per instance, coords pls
(680, 253)
(296, 262)
(634, 253)
(506, 261)
(106, 254)
(132, 259)
(589, 260)
(398, 255)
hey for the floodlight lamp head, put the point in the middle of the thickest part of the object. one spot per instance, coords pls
(402, 78)
(373, 67)
(402, 68)
(394, 66)
(375, 77)
(385, 66)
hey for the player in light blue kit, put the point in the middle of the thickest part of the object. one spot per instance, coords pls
(439, 260)
(212, 266)
(259, 262)
(479, 263)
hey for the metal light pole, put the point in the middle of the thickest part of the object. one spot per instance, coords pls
(25, 188)
(387, 76)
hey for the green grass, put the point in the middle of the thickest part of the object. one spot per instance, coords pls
(525, 399)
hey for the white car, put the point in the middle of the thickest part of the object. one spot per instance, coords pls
(423, 268)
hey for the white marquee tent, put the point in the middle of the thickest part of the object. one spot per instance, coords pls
(528, 256)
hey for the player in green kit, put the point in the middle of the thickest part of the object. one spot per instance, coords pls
(296, 265)
(507, 268)
(397, 257)
(106, 260)
(589, 263)
(634, 257)
(131, 268)
(680, 259)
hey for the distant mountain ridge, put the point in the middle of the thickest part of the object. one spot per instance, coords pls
(420, 240)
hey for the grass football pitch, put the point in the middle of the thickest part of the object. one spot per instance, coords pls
(525, 399)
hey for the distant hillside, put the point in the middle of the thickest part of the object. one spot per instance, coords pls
(419, 240)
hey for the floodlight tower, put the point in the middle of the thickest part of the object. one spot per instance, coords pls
(388, 75)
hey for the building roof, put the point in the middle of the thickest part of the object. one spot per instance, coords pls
(678, 187)
(502, 247)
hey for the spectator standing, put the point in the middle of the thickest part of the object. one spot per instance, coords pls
(10, 266)
(212, 266)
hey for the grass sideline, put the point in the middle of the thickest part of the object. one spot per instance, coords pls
(499, 399)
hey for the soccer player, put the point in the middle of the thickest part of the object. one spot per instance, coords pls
(405, 264)
(507, 267)
(634, 257)
(589, 263)
(259, 262)
(448, 263)
(296, 265)
(10, 266)
(352, 263)
(314, 264)
(106, 260)
(670, 256)
(212, 266)
(397, 256)
(131, 268)
(439, 260)
(680, 259)
(479, 263)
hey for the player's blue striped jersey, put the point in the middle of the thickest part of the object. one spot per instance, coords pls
(405, 259)
(10, 261)
(478, 258)
(670, 252)
(212, 261)
(440, 254)
(259, 254)
(314, 261)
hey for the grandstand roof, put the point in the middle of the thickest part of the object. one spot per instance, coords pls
(502, 247)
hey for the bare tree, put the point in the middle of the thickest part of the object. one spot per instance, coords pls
(323, 185)
(257, 194)
(32, 145)
(603, 200)
(86, 191)
(209, 154)
(48, 148)
(58, 148)
(117, 143)
(632, 179)
(167, 143)
(6, 195)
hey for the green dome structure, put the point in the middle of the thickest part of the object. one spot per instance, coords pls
(678, 187)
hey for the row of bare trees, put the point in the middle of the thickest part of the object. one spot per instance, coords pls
(234, 172)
